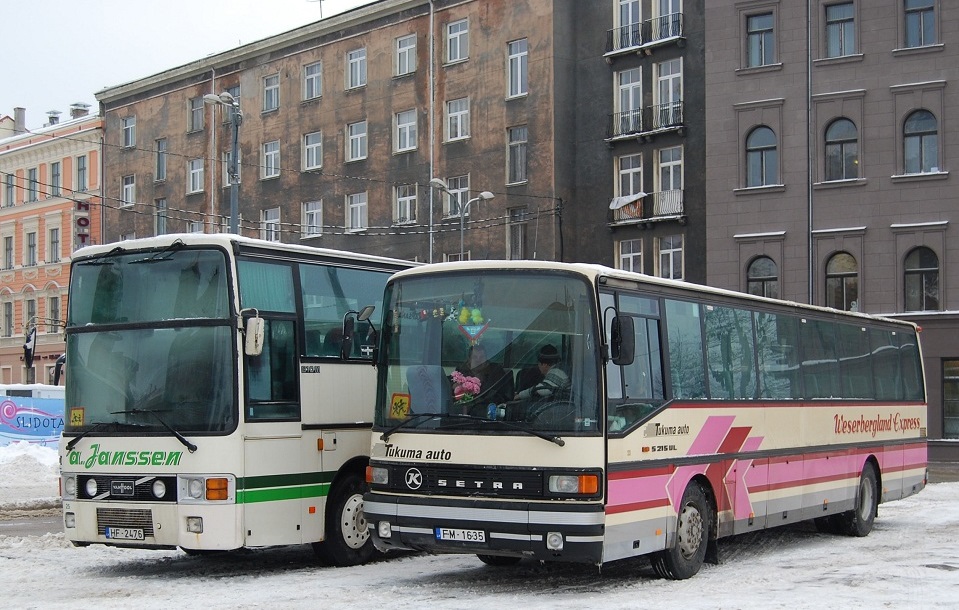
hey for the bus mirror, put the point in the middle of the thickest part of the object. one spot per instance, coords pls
(365, 313)
(623, 340)
(254, 330)
(58, 369)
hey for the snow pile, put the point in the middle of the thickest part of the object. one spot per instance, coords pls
(30, 474)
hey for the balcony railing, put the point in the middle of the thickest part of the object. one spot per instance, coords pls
(644, 121)
(634, 36)
(654, 206)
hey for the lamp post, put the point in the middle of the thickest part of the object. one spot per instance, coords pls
(226, 99)
(464, 210)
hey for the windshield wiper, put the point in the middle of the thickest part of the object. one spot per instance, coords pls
(169, 428)
(425, 417)
(97, 426)
(98, 260)
(162, 255)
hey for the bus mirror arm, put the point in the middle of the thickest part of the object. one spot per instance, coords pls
(254, 329)
(58, 368)
(350, 319)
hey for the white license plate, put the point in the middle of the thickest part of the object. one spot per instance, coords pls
(124, 533)
(458, 535)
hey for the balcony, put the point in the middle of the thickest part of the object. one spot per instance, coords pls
(645, 123)
(644, 37)
(647, 208)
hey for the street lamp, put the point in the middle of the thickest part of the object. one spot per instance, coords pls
(226, 99)
(464, 210)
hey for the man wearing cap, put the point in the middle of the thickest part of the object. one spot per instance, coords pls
(554, 378)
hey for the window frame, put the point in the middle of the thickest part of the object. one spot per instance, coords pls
(404, 203)
(768, 156)
(404, 57)
(357, 141)
(405, 131)
(312, 151)
(160, 159)
(517, 69)
(356, 68)
(458, 118)
(270, 154)
(634, 253)
(837, 147)
(196, 175)
(357, 212)
(517, 154)
(670, 252)
(271, 92)
(313, 82)
(312, 219)
(458, 41)
(128, 190)
(195, 115)
(128, 127)
(760, 38)
(846, 35)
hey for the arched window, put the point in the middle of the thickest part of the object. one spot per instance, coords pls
(762, 161)
(920, 140)
(842, 282)
(842, 150)
(762, 278)
(921, 280)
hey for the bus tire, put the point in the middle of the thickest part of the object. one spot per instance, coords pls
(348, 541)
(684, 559)
(858, 522)
(498, 561)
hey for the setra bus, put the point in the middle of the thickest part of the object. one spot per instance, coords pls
(647, 417)
(213, 399)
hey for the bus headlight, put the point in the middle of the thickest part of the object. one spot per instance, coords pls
(70, 486)
(159, 489)
(377, 475)
(91, 487)
(582, 484)
(195, 488)
(554, 541)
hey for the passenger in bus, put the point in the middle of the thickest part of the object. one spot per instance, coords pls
(555, 380)
(496, 383)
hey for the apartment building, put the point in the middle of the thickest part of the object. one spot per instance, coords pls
(49, 207)
(830, 160)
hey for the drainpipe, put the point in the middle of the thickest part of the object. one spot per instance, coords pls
(431, 127)
(214, 221)
(810, 162)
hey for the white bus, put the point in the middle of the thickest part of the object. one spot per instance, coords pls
(212, 402)
(662, 416)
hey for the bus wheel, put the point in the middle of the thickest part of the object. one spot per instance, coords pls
(348, 541)
(498, 560)
(688, 552)
(858, 522)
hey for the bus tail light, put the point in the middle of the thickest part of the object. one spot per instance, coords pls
(217, 489)
(583, 484)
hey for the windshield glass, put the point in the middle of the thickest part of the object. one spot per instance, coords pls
(517, 347)
(150, 341)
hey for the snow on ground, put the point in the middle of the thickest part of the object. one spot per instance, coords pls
(911, 559)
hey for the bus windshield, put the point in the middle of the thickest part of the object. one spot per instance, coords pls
(150, 340)
(464, 350)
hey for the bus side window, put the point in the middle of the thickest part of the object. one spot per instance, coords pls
(271, 376)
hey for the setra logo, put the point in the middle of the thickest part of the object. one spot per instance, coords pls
(414, 478)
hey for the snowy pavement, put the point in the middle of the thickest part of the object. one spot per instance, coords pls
(910, 560)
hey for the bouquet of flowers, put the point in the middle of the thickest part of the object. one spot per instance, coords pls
(465, 388)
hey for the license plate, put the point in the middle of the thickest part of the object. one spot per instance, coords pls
(124, 533)
(458, 535)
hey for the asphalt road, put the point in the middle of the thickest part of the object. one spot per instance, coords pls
(48, 520)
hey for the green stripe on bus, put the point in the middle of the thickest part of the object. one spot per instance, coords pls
(285, 480)
(282, 493)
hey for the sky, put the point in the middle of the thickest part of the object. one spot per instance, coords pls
(59, 52)
(909, 560)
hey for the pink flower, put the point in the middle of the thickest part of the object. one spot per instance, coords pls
(464, 385)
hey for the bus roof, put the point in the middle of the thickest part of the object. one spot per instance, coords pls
(227, 240)
(595, 273)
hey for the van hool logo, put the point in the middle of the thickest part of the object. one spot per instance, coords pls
(124, 458)
(661, 430)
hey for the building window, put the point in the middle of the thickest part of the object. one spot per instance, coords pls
(192, 226)
(195, 175)
(516, 231)
(629, 84)
(517, 68)
(671, 257)
(128, 194)
(842, 282)
(30, 255)
(313, 218)
(760, 40)
(921, 280)
(53, 245)
(630, 184)
(271, 92)
(30, 310)
(56, 179)
(459, 192)
(8, 319)
(160, 159)
(160, 216)
(356, 144)
(313, 81)
(762, 278)
(631, 255)
(950, 399)
(9, 191)
(842, 150)
(53, 314)
(82, 173)
(630, 24)
(195, 121)
(404, 208)
(920, 140)
(762, 160)
(356, 68)
(33, 184)
(669, 94)
(457, 119)
(313, 151)
(840, 29)
(518, 141)
(405, 55)
(8, 252)
(405, 138)
(457, 41)
(356, 212)
(271, 159)
(128, 127)
(669, 196)
(270, 224)
(920, 23)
